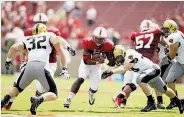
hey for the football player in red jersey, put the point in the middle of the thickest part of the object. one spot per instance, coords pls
(145, 42)
(95, 50)
(42, 18)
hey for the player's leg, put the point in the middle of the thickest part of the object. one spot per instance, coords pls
(95, 77)
(48, 84)
(160, 103)
(121, 98)
(82, 73)
(8, 105)
(19, 85)
(52, 69)
(175, 72)
(128, 86)
(142, 80)
(165, 66)
(150, 99)
(158, 84)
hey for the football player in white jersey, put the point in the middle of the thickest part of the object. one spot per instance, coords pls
(42, 18)
(149, 72)
(165, 66)
(39, 47)
(176, 51)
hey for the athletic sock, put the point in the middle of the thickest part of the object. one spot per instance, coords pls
(159, 99)
(150, 99)
(120, 95)
(71, 95)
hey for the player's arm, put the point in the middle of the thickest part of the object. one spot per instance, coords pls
(173, 50)
(65, 44)
(12, 50)
(119, 70)
(122, 69)
(55, 40)
(56, 43)
(87, 58)
(164, 42)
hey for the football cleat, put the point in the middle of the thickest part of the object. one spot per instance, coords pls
(171, 105)
(160, 106)
(91, 98)
(67, 103)
(179, 105)
(34, 104)
(123, 103)
(7, 106)
(150, 106)
(117, 101)
(5, 100)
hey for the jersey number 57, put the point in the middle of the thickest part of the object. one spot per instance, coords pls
(144, 41)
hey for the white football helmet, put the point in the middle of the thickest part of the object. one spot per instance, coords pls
(154, 26)
(100, 32)
(40, 18)
(99, 35)
(145, 25)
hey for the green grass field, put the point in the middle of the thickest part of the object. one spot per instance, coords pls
(103, 105)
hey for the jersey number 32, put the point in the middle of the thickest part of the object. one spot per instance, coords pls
(34, 44)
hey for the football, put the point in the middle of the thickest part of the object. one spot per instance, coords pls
(96, 56)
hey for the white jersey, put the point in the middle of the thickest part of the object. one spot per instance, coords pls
(39, 47)
(142, 63)
(178, 37)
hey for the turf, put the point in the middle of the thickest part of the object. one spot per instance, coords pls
(103, 105)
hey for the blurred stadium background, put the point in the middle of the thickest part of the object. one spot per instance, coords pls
(76, 20)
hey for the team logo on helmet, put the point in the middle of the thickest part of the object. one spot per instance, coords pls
(39, 28)
(119, 54)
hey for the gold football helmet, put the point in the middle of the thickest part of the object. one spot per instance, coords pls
(119, 53)
(39, 28)
(169, 26)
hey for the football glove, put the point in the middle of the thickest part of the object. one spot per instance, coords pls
(8, 64)
(64, 73)
(106, 74)
(22, 65)
(71, 50)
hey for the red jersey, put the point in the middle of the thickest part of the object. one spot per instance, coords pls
(89, 45)
(52, 58)
(146, 42)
